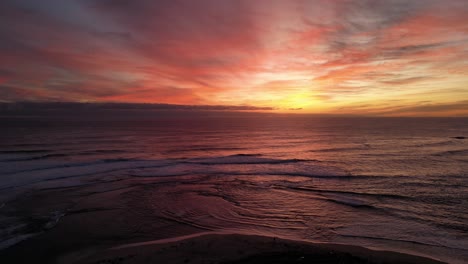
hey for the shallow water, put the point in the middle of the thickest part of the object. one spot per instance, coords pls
(387, 183)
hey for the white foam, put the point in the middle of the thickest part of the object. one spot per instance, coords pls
(15, 240)
(305, 170)
(46, 174)
(22, 178)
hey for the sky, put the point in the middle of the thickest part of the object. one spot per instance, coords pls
(371, 57)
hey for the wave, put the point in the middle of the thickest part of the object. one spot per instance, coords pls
(342, 149)
(102, 151)
(12, 168)
(340, 198)
(28, 145)
(243, 159)
(60, 171)
(13, 231)
(434, 144)
(207, 149)
(25, 151)
(245, 164)
(453, 152)
(104, 141)
(19, 157)
(353, 202)
(182, 169)
(47, 156)
(375, 195)
(15, 175)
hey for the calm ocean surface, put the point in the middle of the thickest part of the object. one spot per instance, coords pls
(387, 183)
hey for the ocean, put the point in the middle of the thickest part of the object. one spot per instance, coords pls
(398, 184)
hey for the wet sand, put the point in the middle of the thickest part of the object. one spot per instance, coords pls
(232, 248)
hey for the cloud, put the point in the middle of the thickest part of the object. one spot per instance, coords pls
(431, 109)
(89, 108)
(401, 108)
(409, 80)
(316, 55)
(194, 42)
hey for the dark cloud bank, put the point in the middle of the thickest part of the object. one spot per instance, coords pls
(75, 110)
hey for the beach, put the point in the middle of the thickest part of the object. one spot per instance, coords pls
(230, 248)
(220, 248)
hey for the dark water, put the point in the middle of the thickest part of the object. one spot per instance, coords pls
(387, 183)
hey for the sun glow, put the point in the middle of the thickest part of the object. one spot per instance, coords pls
(298, 101)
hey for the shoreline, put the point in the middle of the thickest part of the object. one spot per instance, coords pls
(218, 247)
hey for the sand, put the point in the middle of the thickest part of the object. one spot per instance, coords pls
(232, 248)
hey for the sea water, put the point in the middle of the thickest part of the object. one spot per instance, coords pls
(386, 183)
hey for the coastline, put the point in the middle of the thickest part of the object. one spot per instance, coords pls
(236, 248)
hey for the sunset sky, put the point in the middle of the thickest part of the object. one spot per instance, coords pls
(388, 57)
